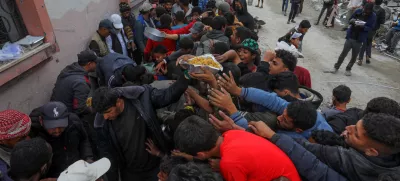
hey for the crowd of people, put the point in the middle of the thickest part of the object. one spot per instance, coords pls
(127, 109)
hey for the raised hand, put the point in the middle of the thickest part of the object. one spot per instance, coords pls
(261, 129)
(229, 84)
(222, 99)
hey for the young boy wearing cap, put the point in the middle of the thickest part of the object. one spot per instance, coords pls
(64, 132)
(98, 42)
(84, 171)
(30, 160)
(14, 128)
(72, 86)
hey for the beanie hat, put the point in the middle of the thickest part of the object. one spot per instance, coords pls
(13, 124)
(250, 45)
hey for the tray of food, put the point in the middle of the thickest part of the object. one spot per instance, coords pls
(194, 65)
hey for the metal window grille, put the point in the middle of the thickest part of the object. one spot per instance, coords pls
(12, 27)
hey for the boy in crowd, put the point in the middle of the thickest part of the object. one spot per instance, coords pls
(236, 164)
(302, 28)
(216, 35)
(340, 98)
(179, 20)
(168, 6)
(159, 55)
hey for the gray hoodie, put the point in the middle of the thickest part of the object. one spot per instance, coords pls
(209, 39)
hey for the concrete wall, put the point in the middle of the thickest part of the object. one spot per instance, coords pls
(74, 22)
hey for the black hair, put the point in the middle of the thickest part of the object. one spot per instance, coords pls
(169, 162)
(133, 73)
(232, 67)
(211, 4)
(383, 128)
(165, 21)
(243, 33)
(305, 24)
(207, 21)
(160, 49)
(104, 98)
(303, 114)
(179, 117)
(287, 58)
(256, 79)
(378, 2)
(203, 136)
(28, 157)
(169, 1)
(218, 23)
(383, 105)
(184, 2)
(186, 43)
(180, 16)
(342, 93)
(220, 48)
(389, 176)
(160, 11)
(285, 80)
(230, 18)
(124, 7)
(197, 9)
(191, 172)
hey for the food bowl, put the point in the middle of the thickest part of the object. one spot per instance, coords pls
(154, 34)
(193, 68)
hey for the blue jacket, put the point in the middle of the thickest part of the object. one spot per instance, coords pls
(397, 27)
(306, 163)
(109, 69)
(369, 25)
(276, 104)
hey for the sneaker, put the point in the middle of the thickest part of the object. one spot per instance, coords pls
(288, 22)
(332, 71)
(284, 13)
(293, 21)
(257, 6)
(359, 62)
(261, 6)
(367, 61)
(347, 73)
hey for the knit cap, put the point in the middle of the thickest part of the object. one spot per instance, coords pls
(13, 124)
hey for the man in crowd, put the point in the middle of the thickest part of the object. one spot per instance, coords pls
(240, 7)
(327, 6)
(341, 96)
(185, 6)
(356, 35)
(64, 132)
(235, 164)
(118, 42)
(30, 160)
(15, 127)
(73, 86)
(130, 119)
(293, 10)
(303, 28)
(214, 36)
(98, 42)
(351, 7)
(143, 20)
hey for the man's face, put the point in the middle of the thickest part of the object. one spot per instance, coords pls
(195, 15)
(113, 112)
(104, 32)
(126, 14)
(355, 136)
(238, 5)
(168, 6)
(295, 42)
(159, 57)
(162, 176)
(55, 132)
(285, 122)
(276, 66)
(303, 30)
(91, 66)
(234, 38)
(245, 55)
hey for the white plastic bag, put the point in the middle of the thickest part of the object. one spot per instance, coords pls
(292, 49)
(11, 51)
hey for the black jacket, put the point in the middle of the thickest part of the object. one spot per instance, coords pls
(244, 16)
(339, 121)
(146, 100)
(352, 164)
(72, 145)
(72, 88)
(109, 69)
(380, 16)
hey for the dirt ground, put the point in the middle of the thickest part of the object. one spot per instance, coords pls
(321, 48)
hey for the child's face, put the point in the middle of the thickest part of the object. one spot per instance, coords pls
(162, 176)
(245, 55)
(159, 57)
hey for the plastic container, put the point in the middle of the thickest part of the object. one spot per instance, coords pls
(197, 68)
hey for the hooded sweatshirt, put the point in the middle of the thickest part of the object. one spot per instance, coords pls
(72, 88)
(208, 40)
(109, 69)
(243, 15)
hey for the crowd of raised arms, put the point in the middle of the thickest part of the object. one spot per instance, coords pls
(129, 110)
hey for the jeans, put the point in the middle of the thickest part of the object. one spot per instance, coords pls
(293, 11)
(367, 46)
(285, 4)
(325, 7)
(355, 47)
(392, 37)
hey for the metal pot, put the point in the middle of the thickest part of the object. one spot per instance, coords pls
(153, 34)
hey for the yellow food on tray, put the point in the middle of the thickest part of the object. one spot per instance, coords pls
(207, 61)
